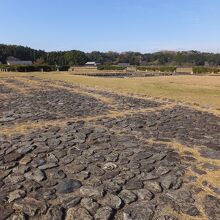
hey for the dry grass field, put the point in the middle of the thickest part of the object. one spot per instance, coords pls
(198, 90)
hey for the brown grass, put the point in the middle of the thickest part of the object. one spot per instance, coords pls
(201, 90)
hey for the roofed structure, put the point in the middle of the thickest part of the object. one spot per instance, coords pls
(91, 64)
(15, 61)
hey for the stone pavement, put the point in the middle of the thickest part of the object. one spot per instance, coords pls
(68, 152)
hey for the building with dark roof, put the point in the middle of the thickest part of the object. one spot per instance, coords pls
(16, 61)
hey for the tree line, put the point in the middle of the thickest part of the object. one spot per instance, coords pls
(76, 57)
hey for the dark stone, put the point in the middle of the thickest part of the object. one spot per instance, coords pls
(12, 157)
(168, 181)
(149, 176)
(48, 166)
(17, 194)
(212, 207)
(113, 201)
(71, 202)
(127, 196)
(139, 211)
(181, 196)
(142, 155)
(36, 162)
(104, 213)
(198, 171)
(7, 166)
(78, 214)
(144, 194)
(25, 150)
(36, 175)
(134, 184)
(30, 206)
(90, 204)
(146, 168)
(56, 174)
(68, 186)
(55, 213)
(66, 160)
(14, 179)
(178, 184)
(31, 185)
(112, 187)
(162, 170)
(210, 167)
(45, 193)
(95, 170)
(53, 142)
(89, 191)
(75, 168)
(110, 175)
(190, 209)
(5, 212)
(210, 154)
(153, 186)
(82, 175)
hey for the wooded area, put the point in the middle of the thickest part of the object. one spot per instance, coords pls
(75, 57)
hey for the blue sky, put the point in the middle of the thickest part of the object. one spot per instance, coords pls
(112, 25)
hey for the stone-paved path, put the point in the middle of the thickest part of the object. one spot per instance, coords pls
(68, 152)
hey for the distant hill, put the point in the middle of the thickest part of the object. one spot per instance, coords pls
(75, 57)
